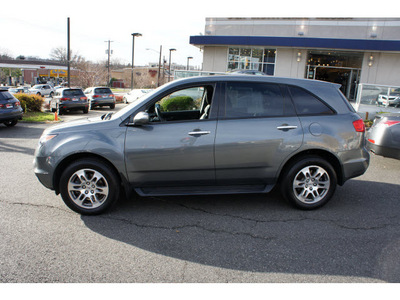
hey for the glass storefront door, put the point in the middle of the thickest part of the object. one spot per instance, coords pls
(343, 68)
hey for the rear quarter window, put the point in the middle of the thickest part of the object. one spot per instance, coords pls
(307, 104)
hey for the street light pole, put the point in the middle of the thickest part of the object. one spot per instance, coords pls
(133, 54)
(169, 67)
(159, 63)
(189, 57)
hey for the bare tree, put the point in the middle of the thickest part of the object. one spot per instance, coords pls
(60, 54)
(89, 74)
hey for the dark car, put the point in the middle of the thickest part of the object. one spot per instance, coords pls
(100, 96)
(10, 109)
(383, 138)
(68, 99)
(209, 135)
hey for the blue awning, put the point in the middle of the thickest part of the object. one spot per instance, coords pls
(298, 42)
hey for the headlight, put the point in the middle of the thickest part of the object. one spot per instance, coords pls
(46, 137)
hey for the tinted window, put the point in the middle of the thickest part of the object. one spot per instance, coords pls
(247, 99)
(102, 91)
(73, 93)
(5, 95)
(307, 104)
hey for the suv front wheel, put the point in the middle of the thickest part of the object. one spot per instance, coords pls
(89, 186)
(309, 183)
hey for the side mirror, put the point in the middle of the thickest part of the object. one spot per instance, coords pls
(141, 118)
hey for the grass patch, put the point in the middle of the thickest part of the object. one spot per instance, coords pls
(38, 117)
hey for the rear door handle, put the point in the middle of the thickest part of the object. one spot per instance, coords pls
(194, 133)
(286, 127)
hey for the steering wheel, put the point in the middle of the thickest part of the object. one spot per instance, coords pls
(157, 109)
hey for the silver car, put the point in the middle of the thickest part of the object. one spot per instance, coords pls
(209, 135)
(383, 138)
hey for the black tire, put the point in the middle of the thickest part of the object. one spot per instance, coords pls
(60, 111)
(96, 193)
(51, 95)
(308, 183)
(86, 110)
(11, 123)
(112, 106)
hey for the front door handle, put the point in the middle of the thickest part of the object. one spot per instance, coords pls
(286, 127)
(194, 133)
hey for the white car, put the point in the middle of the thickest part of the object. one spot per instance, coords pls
(42, 90)
(134, 95)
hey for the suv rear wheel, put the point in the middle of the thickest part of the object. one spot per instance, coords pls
(89, 186)
(309, 182)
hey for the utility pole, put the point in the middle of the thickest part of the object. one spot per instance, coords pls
(108, 64)
(68, 54)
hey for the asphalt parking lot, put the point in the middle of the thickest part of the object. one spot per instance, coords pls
(232, 238)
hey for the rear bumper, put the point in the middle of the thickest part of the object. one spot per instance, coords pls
(15, 114)
(383, 151)
(355, 167)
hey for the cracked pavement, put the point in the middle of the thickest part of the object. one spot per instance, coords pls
(229, 238)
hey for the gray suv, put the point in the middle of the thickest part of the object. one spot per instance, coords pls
(209, 135)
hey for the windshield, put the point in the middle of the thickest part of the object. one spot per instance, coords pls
(137, 103)
(5, 95)
(75, 92)
(102, 91)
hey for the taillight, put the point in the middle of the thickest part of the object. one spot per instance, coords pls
(17, 103)
(1, 105)
(64, 99)
(371, 141)
(83, 98)
(96, 96)
(359, 125)
(390, 123)
(112, 95)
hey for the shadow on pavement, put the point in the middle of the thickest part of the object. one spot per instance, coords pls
(356, 234)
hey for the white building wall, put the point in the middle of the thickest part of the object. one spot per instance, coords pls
(215, 59)
(384, 70)
(286, 64)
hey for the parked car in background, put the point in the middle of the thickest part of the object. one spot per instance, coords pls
(10, 108)
(135, 94)
(42, 90)
(21, 89)
(383, 138)
(100, 96)
(233, 134)
(67, 99)
(393, 99)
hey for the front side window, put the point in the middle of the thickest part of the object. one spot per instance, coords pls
(247, 100)
(192, 103)
(307, 104)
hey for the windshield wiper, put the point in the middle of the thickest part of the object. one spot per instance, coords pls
(107, 116)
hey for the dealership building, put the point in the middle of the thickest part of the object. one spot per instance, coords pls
(347, 51)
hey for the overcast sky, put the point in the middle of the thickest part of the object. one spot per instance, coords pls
(33, 28)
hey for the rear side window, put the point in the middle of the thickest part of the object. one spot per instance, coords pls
(102, 91)
(73, 93)
(249, 99)
(307, 104)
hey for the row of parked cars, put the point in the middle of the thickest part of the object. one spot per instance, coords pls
(67, 99)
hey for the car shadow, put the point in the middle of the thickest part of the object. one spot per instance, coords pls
(350, 236)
